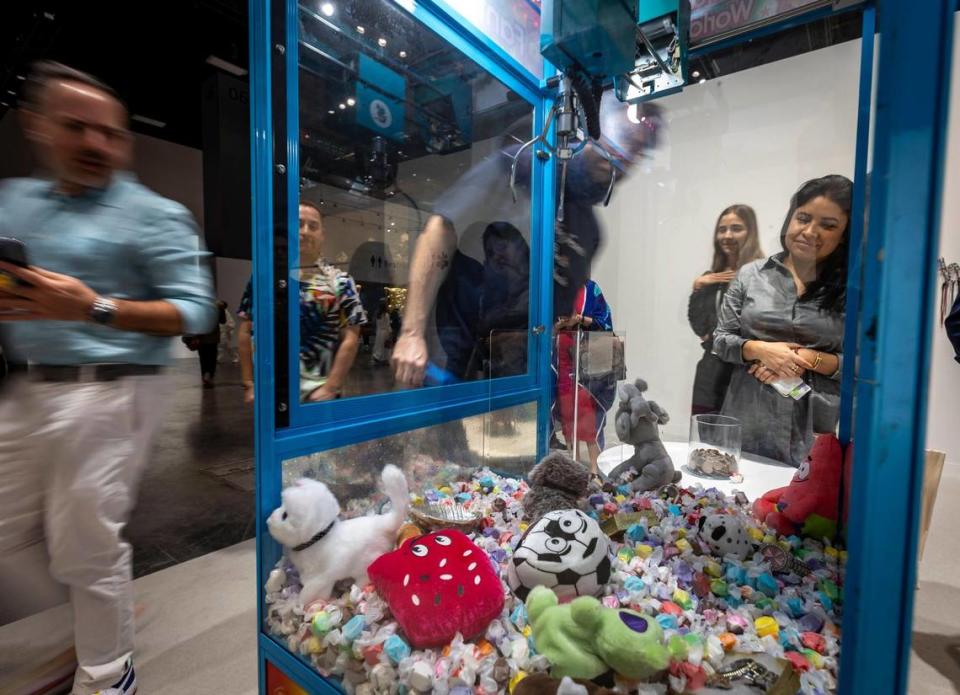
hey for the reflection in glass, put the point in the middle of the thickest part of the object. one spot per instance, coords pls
(331, 314)
(514, 25)
(781, 325)
(587, 362)
(402, 142)
(431, 457)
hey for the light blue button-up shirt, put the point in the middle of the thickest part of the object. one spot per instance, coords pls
(125, 242)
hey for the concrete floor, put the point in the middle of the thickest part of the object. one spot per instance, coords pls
(197, 493)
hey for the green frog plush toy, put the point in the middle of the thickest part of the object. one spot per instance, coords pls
(582, 639)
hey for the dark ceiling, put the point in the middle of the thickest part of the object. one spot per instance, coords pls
(154, 54)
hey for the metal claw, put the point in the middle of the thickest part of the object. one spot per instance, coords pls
(613, 171)
(541, 138)
(513, 166)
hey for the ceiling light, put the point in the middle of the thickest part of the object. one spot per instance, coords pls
(328, 9)
(331, 111)
(702, 80)
(403, 54)
(695, 74)
(361, 30)
(149, 121)
(343, 106)
(351, 101)
(226, 66)
(382, 42)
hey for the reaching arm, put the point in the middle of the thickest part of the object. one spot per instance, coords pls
(431, 258)
(55, 297)
(342, 362)
(780, 359)
(175, 272)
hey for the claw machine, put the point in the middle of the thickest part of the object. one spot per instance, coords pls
(468, 478)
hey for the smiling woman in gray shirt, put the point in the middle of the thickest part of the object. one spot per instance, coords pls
(783, 317)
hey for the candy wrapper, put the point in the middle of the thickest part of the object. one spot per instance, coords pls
(780, 605)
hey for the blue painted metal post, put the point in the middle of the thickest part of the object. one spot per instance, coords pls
(894, 341)
(261, 216)
(857, 227)
(546, 208)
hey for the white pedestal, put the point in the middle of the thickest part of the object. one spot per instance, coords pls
(759, 474)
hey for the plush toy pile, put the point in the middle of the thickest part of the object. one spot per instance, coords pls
(691, 581)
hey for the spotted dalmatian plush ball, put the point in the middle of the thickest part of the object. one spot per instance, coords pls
(725, 535)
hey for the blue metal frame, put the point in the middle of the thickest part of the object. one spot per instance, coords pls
(322, 426)
(357, 411)
(894, 344)
(857, 227)
(261, 216)
(454, 18)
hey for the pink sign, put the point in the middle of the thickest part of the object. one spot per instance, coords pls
(710, 18)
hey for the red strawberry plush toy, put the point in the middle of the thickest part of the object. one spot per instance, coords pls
(438, 585)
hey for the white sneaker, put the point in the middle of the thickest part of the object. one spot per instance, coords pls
(127, 685)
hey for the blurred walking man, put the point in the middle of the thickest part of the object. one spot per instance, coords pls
(115, 272)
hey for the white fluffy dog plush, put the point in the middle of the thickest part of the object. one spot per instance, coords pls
(326, 549)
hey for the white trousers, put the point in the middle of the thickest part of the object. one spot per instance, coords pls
(71, 458)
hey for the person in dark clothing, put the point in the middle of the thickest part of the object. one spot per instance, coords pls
(429, 335)
(782, 318)
(952, 325)
(735, 243)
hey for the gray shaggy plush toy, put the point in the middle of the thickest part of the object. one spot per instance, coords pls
(557, 482)
(637, 423)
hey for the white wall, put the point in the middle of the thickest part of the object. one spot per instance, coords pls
(943, 432)
(753, 138)
(232, 277)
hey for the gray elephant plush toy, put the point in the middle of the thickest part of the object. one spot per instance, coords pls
(637, 423)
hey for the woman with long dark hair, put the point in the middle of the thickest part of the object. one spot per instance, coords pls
(782, 318)
(736, 242)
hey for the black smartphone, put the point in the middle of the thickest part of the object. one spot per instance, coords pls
(12, 251)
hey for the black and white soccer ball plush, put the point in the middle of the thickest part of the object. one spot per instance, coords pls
(725, 534)
(564, 550)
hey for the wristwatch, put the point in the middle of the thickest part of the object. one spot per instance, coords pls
(103, 311)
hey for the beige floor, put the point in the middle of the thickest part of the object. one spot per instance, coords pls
(196, 630)
(935, 664)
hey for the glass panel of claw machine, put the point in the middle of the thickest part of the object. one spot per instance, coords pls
(724, 257)
(405, 152)
(411, 237)
(455, 489)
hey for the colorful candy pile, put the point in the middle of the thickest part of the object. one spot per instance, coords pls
(709, 607)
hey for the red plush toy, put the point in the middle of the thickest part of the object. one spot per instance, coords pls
(438, 585)
(809, 505)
